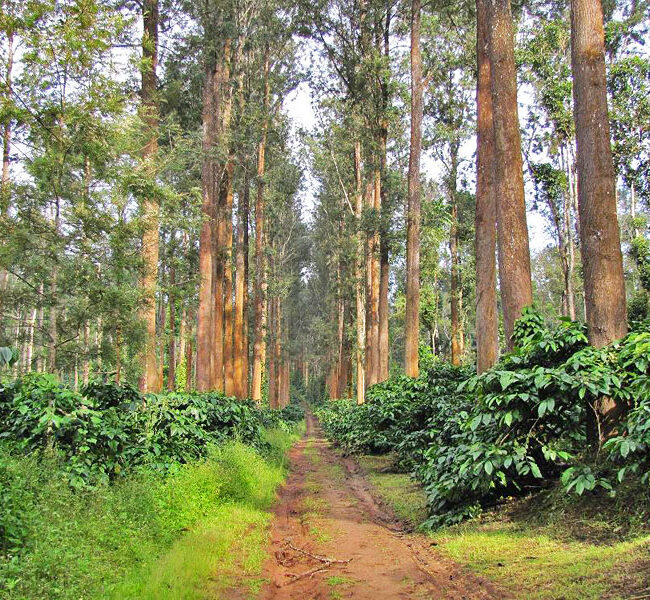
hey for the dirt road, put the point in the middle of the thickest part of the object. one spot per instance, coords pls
(332, 539)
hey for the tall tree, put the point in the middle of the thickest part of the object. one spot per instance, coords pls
(149, 381)
(411, 366)
(260, 267)
(241, 291)
(487, 334)
(358, 276)
(599, 234)
(513, 248)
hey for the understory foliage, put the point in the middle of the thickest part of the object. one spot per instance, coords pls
(106, 430)
(113, 541)
(473, 439)
(66, 453)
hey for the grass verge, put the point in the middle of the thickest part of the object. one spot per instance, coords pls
(397, 490)
(550, 547)
(188, 535)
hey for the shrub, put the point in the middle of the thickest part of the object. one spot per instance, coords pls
(108, 430)
(473, 439)
(112, 541)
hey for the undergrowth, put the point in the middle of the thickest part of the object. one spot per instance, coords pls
(132, 538)
(547, 546)
(106, 431)
(101, 490)
(473, 440)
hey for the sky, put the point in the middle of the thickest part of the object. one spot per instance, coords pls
(298, 106)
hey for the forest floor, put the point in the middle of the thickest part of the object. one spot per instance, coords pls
(331, 538)
(548, 546)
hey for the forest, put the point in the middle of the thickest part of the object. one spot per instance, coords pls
(282, 283)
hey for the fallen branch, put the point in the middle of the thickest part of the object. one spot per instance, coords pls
(323, 559)
(309, 574)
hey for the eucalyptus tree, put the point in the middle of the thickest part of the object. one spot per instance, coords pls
(150, 381)
(412, 325)
(602, 260)
(449, 111)
(487, 318)
(512, 232)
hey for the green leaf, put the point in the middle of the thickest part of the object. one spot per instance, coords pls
(506, 378)
(535, 470)
(624, 448)
(6, 356)
(566, 476)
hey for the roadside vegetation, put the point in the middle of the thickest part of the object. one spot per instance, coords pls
(497, 466)
(96, 506)
(545, 546)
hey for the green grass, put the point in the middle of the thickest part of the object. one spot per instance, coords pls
(398, 490)
(549, 547)
(537, 566)
(184, 536)
(336, 581)
(225, 550)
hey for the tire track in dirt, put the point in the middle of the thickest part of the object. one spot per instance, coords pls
(331, 539)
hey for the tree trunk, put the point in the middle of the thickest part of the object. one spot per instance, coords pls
(85, 363)
(246, 303)
(171, 367)
(602, 260)
(54, 311)
(373, 274)
(455, 289)
(358, 277)
(118, 355)
(384, 339)
(241, 284)
(514, 253)
(260, 273)
(412, 332)
(277, 352)
(223, 224)
(272, 374)
(368, 250)
(487, 321)
(340, 332)
(188, 362)
(568, 236)
(218, 270)
(76, 373)
(182, 334)
(99, 340)
(284, 394)
(375, 263)
(228, 345)
(204, 328)
(599, 233)
(161, 333)
(29, 352)
(149, 382)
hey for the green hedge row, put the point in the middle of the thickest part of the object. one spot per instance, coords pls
(472, 440)
(106, 430)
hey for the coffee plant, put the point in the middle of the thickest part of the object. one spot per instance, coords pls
(519, 427)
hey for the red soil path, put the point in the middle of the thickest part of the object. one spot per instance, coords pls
(331, 539)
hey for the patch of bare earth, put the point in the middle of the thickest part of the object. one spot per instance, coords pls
(330, 539)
